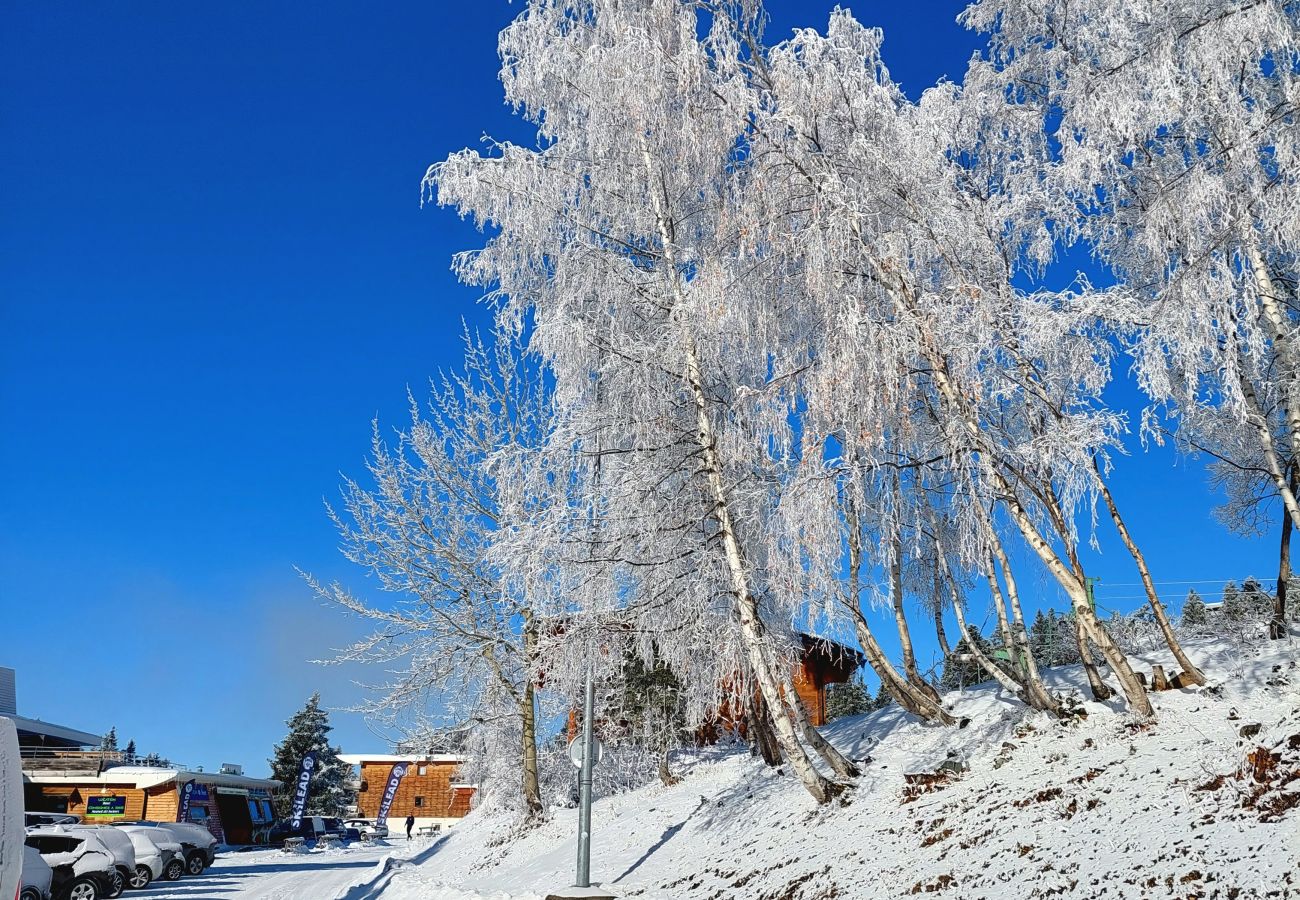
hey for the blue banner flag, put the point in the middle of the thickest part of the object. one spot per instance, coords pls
(390, 791)
(300, 791)
(187, 794)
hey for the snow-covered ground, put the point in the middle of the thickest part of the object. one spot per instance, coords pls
(357, 872)
(1105, 807)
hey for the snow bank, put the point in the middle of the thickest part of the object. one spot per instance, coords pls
(1108, 806)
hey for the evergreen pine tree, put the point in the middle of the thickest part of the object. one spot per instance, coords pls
(129, 753)
(1039, 643)
(1194, 612)
(109, 741)
(1230, 595)
(848, 699)
(328, 793)
(960, 668)
(1255, 602)
(883, 698)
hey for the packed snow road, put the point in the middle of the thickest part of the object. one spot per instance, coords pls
(350, 873)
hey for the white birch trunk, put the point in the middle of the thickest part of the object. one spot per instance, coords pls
(1157, 608)
(751, 626)
(824, 748)
(1282, 345)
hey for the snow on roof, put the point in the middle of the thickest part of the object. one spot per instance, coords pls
(356, 759)
(152, 776)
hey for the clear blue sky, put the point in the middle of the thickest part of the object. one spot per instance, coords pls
(214, 271)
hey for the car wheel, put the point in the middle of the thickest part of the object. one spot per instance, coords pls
(194, 864)
(30, 894)
(118, 886)
(84, 889)
(175, 869)
(141, 878)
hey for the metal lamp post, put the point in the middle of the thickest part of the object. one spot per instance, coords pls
(584, 784)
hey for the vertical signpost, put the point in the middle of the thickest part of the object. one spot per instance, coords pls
(585, 752)
(584, 784)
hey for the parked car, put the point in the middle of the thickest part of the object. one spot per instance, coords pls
(34, 819)
(313, 829)
(118, 844)
(37, 876)
(151, 843)
(81, 864)
(199, 845)
(367, 827)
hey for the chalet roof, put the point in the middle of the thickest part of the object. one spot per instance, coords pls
(356, 759)
(147, 777)
(36, 732)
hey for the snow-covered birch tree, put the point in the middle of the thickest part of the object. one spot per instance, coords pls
(617, 233)
(462, 636)
(1175, 157)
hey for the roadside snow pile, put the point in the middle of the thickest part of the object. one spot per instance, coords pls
(1203, 803)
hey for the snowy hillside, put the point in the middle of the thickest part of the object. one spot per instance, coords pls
(1187, 807)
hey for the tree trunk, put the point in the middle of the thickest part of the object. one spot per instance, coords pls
(999, 608)
(666, 774)
(1133, 689)
(528, 718)
(751, 625)
(1020, 633)
(1033, 695)
(1265, 434)
(1285, 352)
(989, 666)
(1158, 608)
(833, 757)
(1101, 691)
(906, 696)
(896, 596)
(1277, 627)
(939, 633)
(760, 732)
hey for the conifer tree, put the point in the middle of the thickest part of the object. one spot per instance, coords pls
(1194, 612)
(328, 793)
(849, 699)
(129, 752)
(109, 741)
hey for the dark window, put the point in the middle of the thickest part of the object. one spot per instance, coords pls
(419, 801)
(365, 786)
(53, 843)
(199, 814)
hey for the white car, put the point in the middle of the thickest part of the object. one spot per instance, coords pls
(367, 827)
(119, 844)
(155, 850)
(83, 866)
(35, 819)
(37, 876)
(199, 844)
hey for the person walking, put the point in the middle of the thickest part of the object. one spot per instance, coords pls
(410, 824)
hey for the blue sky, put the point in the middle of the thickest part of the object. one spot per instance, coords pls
(214, 272)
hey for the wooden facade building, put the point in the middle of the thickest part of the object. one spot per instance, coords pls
(235, 808)
(430, 791)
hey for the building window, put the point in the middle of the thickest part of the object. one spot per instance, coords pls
(199, 814)
(365, 786)
(419, 801)
(423, 770)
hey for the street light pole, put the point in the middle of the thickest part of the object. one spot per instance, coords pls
(584, 784)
